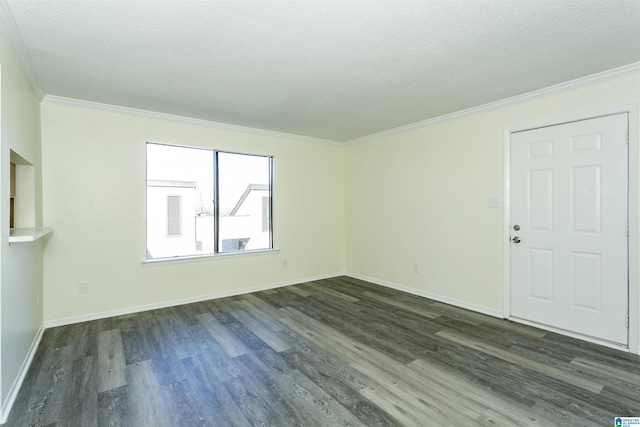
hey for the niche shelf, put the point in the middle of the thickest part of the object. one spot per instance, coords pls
(17, 235)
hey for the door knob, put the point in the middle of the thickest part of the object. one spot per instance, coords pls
(516, 239)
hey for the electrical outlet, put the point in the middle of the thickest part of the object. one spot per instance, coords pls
(284, 263)
(493, 202)
(310, 262)
(415, 268)
(38, 301)
(83, 288)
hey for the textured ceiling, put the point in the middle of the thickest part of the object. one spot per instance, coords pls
(335, 70)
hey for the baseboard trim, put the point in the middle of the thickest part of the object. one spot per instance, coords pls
(436, 297)
(22, 373)
(171, 303)
(216, 295)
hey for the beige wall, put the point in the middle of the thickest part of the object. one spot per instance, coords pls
(420, 197)
(94, 199)
(20, 263)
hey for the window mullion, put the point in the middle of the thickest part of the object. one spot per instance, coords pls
(216, 204)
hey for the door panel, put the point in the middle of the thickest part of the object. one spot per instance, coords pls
(586, 199)
(586, 283)
(541, 274)
(569, 198)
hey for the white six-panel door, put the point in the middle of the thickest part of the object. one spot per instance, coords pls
(568, 199)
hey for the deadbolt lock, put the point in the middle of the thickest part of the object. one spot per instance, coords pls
(516, 227)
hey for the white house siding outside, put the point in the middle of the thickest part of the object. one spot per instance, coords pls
(247, 220)
(240, 229)
(160, 244)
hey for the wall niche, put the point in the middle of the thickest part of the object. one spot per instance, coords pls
(22, 193)
(22, 201)
(12, 194)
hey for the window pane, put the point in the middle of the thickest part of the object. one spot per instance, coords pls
(244, 181)
(179, 201)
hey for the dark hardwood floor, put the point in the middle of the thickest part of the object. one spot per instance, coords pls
(326, 353)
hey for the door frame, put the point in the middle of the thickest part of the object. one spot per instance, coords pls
(633, 339)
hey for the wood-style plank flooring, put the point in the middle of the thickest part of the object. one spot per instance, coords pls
(335, 352)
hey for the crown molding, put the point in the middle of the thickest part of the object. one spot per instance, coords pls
(52, 99)
(15, 40)
(555, 89)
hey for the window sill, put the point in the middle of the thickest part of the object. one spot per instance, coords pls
(208, 257)
(20, 235)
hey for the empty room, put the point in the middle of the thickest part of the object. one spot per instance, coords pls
(319, 213)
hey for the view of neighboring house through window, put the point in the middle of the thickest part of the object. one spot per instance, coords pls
(183, 185)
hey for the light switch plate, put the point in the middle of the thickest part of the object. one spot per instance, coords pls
(493, 202)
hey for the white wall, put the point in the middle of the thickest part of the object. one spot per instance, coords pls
(20, 264)
(94, 199)
(420, 197)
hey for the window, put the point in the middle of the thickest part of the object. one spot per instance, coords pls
(204, 202)
(242, 182)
